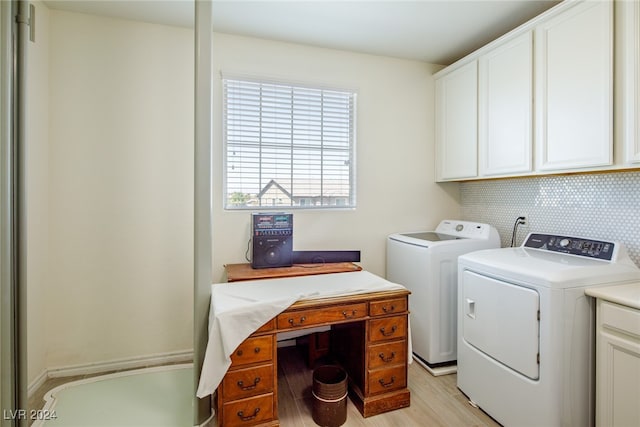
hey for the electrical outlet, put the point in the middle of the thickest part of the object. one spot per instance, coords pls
(525, 220)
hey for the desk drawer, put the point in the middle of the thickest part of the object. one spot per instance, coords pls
(388, 328)
(384, 380)
(387, 354)
(253, 350)
(247, 382)
(248, 412)
(391, 306)
(305, 318)
(269, 326)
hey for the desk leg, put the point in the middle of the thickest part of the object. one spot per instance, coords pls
(318, 347)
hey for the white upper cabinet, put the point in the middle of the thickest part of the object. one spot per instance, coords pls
(628, 20)
(574, 88)
(506, 108)
(540, 99)
(457, 124)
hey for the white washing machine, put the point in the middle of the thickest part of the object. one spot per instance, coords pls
(426, 263)
(526, 328)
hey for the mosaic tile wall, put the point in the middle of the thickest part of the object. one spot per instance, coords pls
(603, 206)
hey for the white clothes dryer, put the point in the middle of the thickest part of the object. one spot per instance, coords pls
(526, 328)
(425, 262)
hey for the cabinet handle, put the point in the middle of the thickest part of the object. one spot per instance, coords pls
(248, 417)
(249, 387)
(390, 309)
(388, 334)
(389, 384)
(387, 359)
(347, 315)
(292, 321)
(255, 350)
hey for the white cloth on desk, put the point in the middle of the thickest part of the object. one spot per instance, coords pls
(238, 309)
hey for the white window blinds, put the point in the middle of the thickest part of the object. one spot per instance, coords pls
(288, 146)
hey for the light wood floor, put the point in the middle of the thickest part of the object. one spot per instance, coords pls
(435, 401)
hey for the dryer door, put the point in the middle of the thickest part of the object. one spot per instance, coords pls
(501, 320)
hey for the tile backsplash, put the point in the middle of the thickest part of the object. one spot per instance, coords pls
(599, 206)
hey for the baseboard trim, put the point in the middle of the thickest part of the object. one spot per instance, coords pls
(111, 366)
(37, 382)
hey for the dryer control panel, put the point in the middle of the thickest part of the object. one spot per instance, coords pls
(571, 245)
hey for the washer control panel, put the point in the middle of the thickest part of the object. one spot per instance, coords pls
(464, 229)
(571, 245)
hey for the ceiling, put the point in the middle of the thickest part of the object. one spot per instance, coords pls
(434, 31)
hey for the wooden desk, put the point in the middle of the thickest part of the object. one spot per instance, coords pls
(370, 332)
(318, 342)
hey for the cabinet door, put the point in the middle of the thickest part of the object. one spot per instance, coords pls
(505, 108)
(628, 14)
(457, 123)
(574, 86)
(617, 366)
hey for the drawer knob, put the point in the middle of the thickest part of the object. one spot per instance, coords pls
(347, 315)
(249, 387)
(389, 310)
(387, 359)
(292, 321)
(248, 417)
(391, 332)
(389, 384)
(239, 352)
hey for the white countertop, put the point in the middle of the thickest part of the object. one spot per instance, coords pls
(628, 294)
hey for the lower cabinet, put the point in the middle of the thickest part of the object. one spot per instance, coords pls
(617, 366)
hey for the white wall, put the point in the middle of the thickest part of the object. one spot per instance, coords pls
(395, 137)
(37, 194)
(120, 177)
(120, 280)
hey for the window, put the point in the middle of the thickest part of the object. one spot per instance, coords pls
(288, 146)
